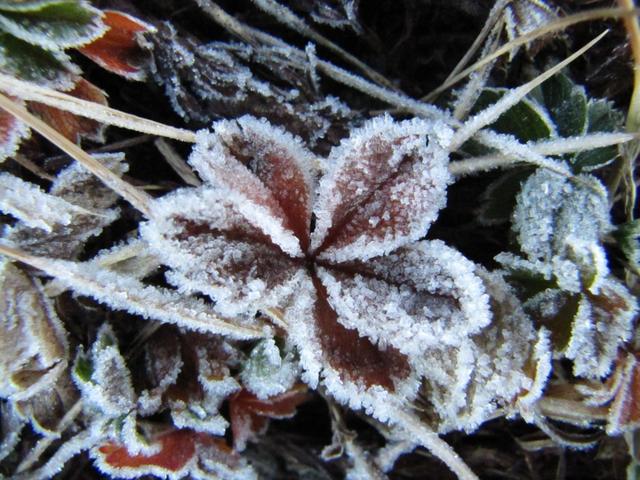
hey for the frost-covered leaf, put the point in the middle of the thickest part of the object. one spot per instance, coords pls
(384, 187)
(551, 210)
(11, 425)
(118, 50)
(244, 269)
(33, 342)
(499, 199)
(602, 323)
(524, 16)
(182, 453)
(463, 387)
(53, 25)
(363, 328)
(250, 415)
(80, 188)
(12, 132)
(103, 377)
(267, 167)
(628, 238)
(45, 409)
(526, 120)
(602, 117)
(72, 126)
(34, 207)
(205, 381)
(624, 411)
(588, 327)
(205, 82)
(267, 372)
(567, 104)
(35, 64)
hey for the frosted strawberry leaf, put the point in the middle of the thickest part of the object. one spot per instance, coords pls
(212, 248)
(505, 363)
(35, 64)
(383, 189)
(33, 342)
(267, 168)
(367, 326)
(53, 25)
(273, 159)
(118, 50)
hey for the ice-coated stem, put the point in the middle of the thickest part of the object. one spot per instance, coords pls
(432, 442)
(127, 293)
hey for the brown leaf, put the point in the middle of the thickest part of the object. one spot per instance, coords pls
(73, 126)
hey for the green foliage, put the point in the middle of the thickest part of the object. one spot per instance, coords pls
(33, 35)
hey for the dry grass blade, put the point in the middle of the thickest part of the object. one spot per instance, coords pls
(32, 92)
(556, 26)
(490, 114)
(284, 15)
(136, 197)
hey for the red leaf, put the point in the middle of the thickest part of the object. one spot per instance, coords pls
(177, 448)
(72, 126)
(353, 355)
(118, 50)
(249, 415)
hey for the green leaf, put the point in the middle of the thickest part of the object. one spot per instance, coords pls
(55, 26)
(602, 117)
(499, 198)
(525, 120)
(567, 105)
(34, 64)
(628, 238)
(83, 368)
(27, 5)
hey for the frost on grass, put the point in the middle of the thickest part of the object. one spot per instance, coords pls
(560, 226)
(33, 343)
